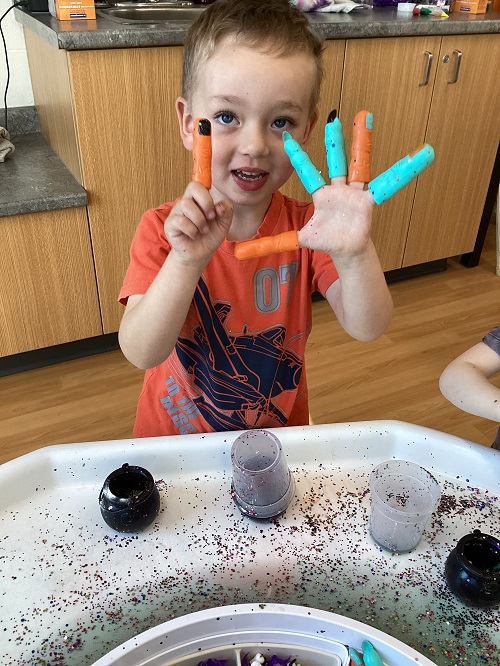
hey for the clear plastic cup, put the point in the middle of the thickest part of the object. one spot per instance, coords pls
(262, 485)
(403, 497)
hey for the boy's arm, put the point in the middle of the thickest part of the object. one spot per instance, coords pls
(341, 227)
(362, 286)
(151, 323)
(465, 382)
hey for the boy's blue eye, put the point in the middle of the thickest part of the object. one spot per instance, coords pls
(281, 123)
(225, 118)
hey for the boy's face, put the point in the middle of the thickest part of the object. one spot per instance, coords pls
(250, 99)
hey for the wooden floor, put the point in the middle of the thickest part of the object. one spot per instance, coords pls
(435, 319)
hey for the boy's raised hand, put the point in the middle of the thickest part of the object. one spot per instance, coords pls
(196, 226)
(343, 210)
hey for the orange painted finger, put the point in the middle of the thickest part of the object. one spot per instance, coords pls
(202, 152)
(260, 247)
(361, 148)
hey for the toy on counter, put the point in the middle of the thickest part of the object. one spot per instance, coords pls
(381, 188)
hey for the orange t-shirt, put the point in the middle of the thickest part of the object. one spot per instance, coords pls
(239, 360)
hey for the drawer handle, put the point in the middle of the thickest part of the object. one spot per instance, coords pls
(427, 68)
(458, 60)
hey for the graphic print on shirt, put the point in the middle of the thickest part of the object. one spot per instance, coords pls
(239, 376)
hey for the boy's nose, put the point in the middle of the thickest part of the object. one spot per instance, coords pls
(253, 142)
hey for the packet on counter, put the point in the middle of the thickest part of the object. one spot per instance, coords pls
(72, 10)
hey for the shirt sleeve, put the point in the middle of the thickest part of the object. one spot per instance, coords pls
(324, 272)
(492, 339)
(148, 252)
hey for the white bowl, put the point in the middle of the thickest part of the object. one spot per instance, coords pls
(316, 637)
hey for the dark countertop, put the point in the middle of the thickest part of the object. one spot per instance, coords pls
(34, 179)
(103, 33)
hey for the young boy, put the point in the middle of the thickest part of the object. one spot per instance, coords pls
(465, 381)
(223, 340)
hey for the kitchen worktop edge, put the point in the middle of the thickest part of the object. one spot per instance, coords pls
(34, 180)
(103, 33)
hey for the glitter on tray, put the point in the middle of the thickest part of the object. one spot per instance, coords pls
(202, 553)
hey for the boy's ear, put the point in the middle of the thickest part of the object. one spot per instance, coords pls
(185, 122)
(309, 127)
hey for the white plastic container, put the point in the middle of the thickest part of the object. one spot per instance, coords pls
(314, 637)
(406, 7)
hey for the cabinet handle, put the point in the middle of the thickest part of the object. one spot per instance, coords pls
(427, 68)
(458, 60)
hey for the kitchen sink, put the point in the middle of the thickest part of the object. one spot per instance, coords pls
(151, 12)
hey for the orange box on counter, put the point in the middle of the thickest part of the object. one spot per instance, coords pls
(471, 6)
(72, 10)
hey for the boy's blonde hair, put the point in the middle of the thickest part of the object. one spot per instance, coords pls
(270, 26)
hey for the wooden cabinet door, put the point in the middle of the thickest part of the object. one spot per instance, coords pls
(333, 60)
(131, 152)
(464, 129)
(384, 76)
(47, 281)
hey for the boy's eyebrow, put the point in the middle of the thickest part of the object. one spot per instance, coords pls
(286, 104)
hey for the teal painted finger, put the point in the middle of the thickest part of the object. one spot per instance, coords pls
(335, 149)
(370, 656)
(355, 657)
(310, 177)
(383, 187)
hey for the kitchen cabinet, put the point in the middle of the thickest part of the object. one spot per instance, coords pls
(125, 142)
(47, 281)
(439, 90)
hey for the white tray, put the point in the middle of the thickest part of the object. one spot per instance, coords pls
(74, 589)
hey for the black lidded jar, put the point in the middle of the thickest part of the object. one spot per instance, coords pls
(129, 499)
(472, 570)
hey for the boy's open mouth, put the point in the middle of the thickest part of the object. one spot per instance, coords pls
(250, 180)
(250, 176)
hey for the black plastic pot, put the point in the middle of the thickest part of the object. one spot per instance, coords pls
(129, 499)
(472, 570)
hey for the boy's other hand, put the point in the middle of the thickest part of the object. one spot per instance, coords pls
(342, 220)
(197, 226)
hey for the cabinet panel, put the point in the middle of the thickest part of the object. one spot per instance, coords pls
(333, 60)
(54, 103)
(464, 129)
(47, 282)
(132, 154)
(384, 77)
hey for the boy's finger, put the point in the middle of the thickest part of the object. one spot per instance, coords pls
(261, 247)
(400, 174)
(202, 152)
(310, 177)
(224, 210)
(361, 148)
(335, 148)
